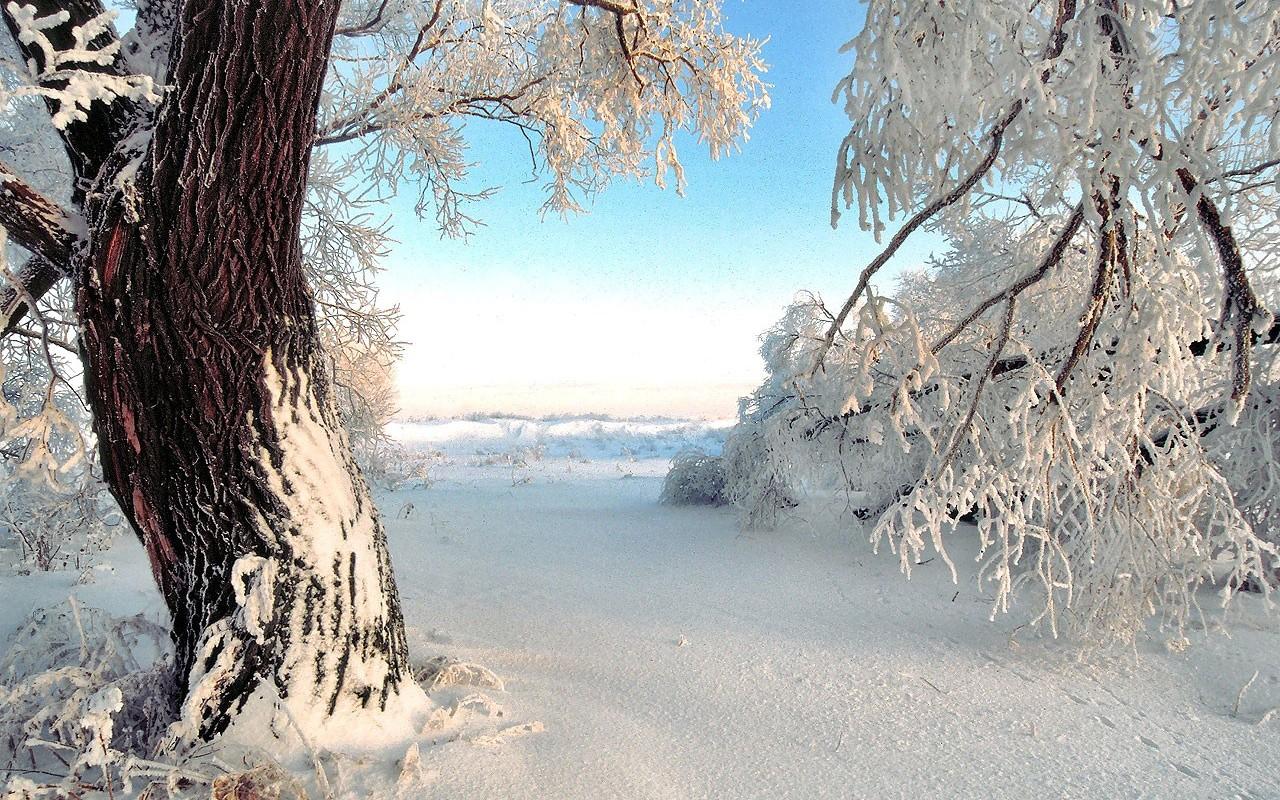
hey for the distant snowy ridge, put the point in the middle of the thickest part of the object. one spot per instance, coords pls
(584, 435)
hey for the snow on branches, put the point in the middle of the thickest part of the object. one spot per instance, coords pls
(60, 75)
(1086, 374)
(594, 90)
(82, 695)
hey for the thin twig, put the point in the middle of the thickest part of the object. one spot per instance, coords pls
(1235, 710)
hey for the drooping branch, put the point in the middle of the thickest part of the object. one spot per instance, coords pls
(1112, 250)
(1240, 306)
(920, 218)
(620, 13)
(1006, 366)
(1053, 48)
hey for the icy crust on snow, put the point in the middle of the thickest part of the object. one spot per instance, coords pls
(334, 534)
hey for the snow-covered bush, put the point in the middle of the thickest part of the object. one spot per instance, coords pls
(758, 474)
(695, 479)
(1086, 371)
(83, 696)
(87, 701)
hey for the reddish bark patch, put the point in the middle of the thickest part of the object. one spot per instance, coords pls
(128, 421)
(115, 248)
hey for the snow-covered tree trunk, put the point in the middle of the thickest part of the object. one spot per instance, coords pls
(188, 143)
(216, 424)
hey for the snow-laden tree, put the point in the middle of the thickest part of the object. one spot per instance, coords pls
(1086, 372)
(201, 146)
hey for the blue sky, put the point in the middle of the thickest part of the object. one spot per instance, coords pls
(651, 302)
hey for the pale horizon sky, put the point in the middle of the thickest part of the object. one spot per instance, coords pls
(651, 303)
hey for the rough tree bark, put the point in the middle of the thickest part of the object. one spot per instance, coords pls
(215, 421)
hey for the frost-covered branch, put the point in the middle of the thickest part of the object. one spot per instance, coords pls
(595, 91)
(849, 165)
(1063, 375)
(1241, 311)
(1051, 259)
(74, 62)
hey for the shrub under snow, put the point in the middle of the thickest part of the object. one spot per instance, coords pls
(695, 479)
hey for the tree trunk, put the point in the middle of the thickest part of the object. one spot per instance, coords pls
(215, 420)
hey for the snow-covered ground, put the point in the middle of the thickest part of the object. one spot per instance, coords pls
(665, 653)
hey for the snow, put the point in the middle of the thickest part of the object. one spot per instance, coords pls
(331, 526)
(658, 652)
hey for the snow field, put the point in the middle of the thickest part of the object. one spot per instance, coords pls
(670, 654)
(657, 652)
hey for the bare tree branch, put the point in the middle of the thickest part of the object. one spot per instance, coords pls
(34, 221)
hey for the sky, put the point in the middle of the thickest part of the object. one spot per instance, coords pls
(651, 303)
